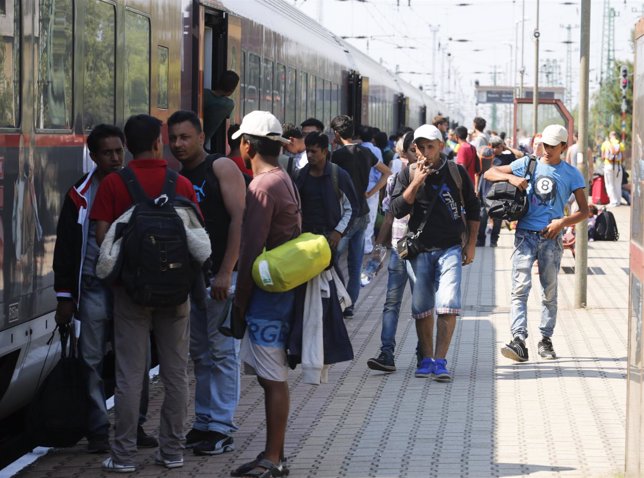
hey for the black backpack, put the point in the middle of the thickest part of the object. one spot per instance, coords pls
(156, 267)
(58, 414)
(506, 201)
(605, 227)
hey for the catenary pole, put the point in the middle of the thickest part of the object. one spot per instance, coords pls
(581, 242)
(535, 92)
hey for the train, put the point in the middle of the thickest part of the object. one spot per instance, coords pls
(68, 65)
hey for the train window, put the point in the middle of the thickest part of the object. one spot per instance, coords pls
(164, 73)
(301, 99)
(99, 39)
(266, 103)
(310, 107)
(319, 100)
(327, 100)
(55, 52)
(10, 67)
(335, 99)
(290, 110)
(278, 93)
(137, 64)
(251, 102)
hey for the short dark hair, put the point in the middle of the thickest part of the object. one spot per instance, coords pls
(343, 125)
(380, 139)
(233, 143)
(289, 130)
(228, 81)
(264, 146)
(141, 132)
(408, 139)
(365, 133)
(479, 123)
(439, 119)
(317, 139)
(313, 122)
(100, 132)
(182, 116)
(461, 132)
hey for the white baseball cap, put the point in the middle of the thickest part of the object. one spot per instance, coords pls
(263, 124)
(428, 131)
(554, 134)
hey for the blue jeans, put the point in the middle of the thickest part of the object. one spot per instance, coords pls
(354, 241)
(95, 315)
(396, 283)
(216, 362)
(528, 247)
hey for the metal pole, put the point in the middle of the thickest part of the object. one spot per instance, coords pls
(522, 70)
(434, 30)
(535, 92)
(581, 243)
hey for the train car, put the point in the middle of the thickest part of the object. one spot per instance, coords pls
(67, 65)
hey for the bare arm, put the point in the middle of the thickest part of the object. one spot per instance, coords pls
(553, 229)
(382, 182)
(504, 173)
(233, 192)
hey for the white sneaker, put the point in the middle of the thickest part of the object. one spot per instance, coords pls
(169, 463)
(110, 465)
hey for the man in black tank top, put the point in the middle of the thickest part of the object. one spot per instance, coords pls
(220, 190)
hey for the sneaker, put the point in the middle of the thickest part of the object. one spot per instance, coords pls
(110, 465)
(98, 444)
(480, 243)
(515, 350)
(545, 349)
(348, 313)
(176, 462)
(143, 440)
(494, 244)
(384, 363)
(195, 436)
(426, 368)
(215, 444)
(440, 371)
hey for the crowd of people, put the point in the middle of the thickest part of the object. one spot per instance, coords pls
(275, 182)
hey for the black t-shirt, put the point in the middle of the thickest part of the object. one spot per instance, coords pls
(313, 215)
(357, 161)
(505, 158)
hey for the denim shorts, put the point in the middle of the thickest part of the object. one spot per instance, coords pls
(437, 282)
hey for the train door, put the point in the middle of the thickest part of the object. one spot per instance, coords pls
(214, 57)
(354, 98)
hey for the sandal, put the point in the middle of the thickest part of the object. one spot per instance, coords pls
(261, 468)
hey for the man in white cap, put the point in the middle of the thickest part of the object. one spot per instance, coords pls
(440, 197)
(539, 235)
(272, 217)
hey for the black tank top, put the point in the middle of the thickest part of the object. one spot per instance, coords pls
(211, 203)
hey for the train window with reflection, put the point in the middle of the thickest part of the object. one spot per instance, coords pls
(137, 64)
(163, 58)
(99, 38)
(310, 107)
(279, 84)
(319, 100)
(251, 102)
(290, 110)
(328, 86)
(335, 101)
(10, 66)
(301, 98)
(266, 103)
(55, 46)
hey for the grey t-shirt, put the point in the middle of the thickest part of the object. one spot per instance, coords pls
(92, 248)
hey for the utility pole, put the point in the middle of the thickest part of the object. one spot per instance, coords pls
(568, 95)
(522, 70)
(434, 29)
(535, 93)
(581, 255)
(494, 104)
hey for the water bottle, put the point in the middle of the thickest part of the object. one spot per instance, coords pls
(373, 264)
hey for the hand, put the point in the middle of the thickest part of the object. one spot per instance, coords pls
(421, 173)
(220, 285)
(552, 230)
(519, 182)
(468, 253)
(64, 312)
(333, 239)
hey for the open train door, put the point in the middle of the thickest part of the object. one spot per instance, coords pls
(220, 50)
(354, 98)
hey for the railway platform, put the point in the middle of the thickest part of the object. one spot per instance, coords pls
(497, 418)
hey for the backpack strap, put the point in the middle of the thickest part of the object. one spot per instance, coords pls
(532, 165)
(133, 186)
(289, 167)
(456, 177)
(334, 180)
(170, 184)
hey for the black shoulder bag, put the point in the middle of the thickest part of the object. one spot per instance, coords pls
(506, 201)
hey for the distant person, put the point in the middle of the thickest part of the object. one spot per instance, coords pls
(221, 191)
(442, 124)
(293, 157)
(234, 153)
(467, 155)
(217, 105)
(310, 125)
(538, 236)
(81, 293)
(381, 141)
(612, 154)
(440, 212)
(478, 138)
(272, 217)
(133, 322)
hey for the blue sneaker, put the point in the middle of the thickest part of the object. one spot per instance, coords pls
(440, 371)
(426, 368)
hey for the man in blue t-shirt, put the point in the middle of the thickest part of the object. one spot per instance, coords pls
(539, 235)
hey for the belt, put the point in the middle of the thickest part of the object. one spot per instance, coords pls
(529, 231)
